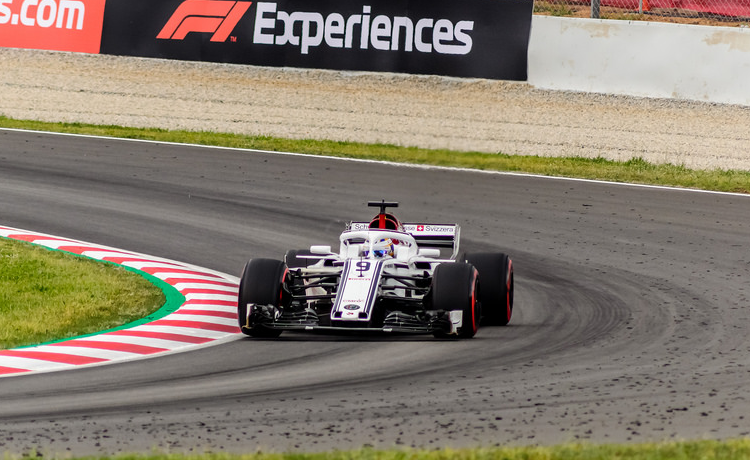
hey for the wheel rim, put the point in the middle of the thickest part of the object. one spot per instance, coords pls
(509, 292)
(474, 327)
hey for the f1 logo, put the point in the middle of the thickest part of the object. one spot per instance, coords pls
(207, 16)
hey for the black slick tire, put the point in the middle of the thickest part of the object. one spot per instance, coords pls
(454, 287)
(261, 283)
(496, 286)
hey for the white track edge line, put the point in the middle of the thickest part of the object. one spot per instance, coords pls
(390, 163)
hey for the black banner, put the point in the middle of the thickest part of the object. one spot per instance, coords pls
(463, 38)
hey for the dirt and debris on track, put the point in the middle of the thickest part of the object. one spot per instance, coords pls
(424, 111)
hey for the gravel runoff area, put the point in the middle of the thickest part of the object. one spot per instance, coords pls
(424, 111)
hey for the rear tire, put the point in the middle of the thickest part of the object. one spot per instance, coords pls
(261, 283)
(455, 287)
(496, 286)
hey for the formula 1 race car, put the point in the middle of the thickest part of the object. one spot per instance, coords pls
(386, 277)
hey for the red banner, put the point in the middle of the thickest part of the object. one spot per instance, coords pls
(56, 25)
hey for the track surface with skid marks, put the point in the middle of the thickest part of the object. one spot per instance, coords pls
(631, 319)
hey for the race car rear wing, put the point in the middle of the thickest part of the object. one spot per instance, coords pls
(439, 236)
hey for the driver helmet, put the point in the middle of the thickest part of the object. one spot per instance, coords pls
(386, 222)
(383, 247)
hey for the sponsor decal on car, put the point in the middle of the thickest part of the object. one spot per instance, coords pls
(425, 228)
(358, 291)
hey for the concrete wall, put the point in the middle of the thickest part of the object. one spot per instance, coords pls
(641, 59)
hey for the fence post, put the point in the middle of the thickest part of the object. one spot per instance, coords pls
(595, 9)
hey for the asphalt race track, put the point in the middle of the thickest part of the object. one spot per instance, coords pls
(631, 320)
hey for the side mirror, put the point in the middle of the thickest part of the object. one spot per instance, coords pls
(429, 252)
(320, 250)
(402, 253)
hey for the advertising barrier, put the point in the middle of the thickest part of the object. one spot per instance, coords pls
(470, 38)
(55, 25)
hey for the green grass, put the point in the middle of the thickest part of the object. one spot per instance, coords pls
(626, 16)
(49, 295)
(553, 9)
(689, 450)
(635, 171)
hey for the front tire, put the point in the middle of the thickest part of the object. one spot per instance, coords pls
(497, 288)
(455, 287)
(262, 284)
